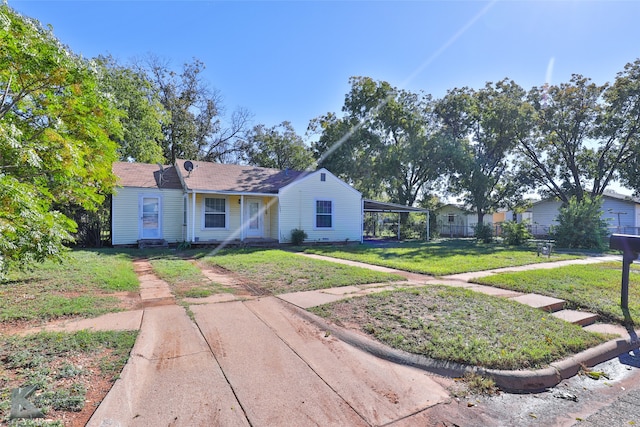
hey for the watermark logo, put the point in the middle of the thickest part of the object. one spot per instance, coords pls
(20, 406)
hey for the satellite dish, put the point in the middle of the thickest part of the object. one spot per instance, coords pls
(188, 165)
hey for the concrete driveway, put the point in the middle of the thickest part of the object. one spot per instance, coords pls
(257, 363)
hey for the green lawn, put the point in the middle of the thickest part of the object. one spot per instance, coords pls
(459, 325)
(439, 258)
(594, 287)
(82, 285)
(279, 271)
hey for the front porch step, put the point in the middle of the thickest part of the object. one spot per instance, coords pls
(152, 243)
(581, 318)
(540, 301)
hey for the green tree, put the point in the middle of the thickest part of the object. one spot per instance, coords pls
(142, 113)
(56, 148)
(580, 224)
(388, 143)
(346, 149)
(278, 147)
(484, 123)
(584, 135)
(195, 129)
(515, 233)
(623, 120)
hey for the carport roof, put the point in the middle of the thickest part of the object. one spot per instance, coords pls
(376, 206)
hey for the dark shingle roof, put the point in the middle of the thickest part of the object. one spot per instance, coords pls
(207, 176)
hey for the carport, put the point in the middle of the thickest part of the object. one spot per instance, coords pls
(374, 206)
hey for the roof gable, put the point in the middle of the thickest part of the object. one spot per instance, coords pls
(308, 175)
(454, 206)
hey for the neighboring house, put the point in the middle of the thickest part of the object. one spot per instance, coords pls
(205, 202)
(621, 212)
(457, 221)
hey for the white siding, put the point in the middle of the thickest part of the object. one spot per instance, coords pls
(232, 231)
(272, 218)
(616, 209)
(125, 216)
(298, 209)
(544, 214)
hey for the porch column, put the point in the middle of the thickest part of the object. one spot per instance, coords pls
(242, 217)
(193, 216)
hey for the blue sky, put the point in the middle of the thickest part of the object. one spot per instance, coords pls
(291, 60)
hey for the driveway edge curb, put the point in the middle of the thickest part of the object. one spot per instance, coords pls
(528, 381)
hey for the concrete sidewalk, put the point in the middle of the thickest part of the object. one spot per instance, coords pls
(255, 362)
(171, 379)
(265, 362)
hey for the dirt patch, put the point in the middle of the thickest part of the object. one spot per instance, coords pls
(71, 382)
(240, 285)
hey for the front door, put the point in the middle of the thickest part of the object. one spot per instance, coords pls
(150, 210)
(253, 214)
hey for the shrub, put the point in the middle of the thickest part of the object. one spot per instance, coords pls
(484, 232)
(514, 233)
(298, 236)
(580, 225)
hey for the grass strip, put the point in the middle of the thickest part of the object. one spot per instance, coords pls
(594, 287)
(279, 271)
(441, 257)
(459, 325)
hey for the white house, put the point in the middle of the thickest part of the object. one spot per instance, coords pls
(457, 221)
(204, 202)
(621, 212)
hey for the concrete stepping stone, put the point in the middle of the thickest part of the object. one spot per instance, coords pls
(540, 301)
(581, 318)
(607, 328)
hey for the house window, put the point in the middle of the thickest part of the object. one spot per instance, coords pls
(451, 217)
(323, 176)
(324, 214)
(215, 213)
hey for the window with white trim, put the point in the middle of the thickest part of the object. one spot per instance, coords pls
(215, 212)
(324, 214)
